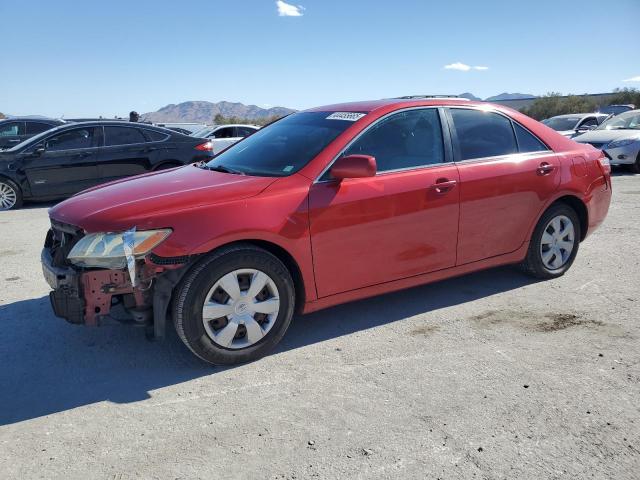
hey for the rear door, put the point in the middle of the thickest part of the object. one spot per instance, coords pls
(68, 163)
(506, 176)
(126, 152)
(400, 223)
(11, 134)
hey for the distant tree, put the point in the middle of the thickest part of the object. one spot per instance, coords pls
(553, 104)
(624, 96)
(220, 119)
(2, 115)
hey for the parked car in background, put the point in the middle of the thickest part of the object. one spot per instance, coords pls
(223, 136)
(616, 109)
(17, 129)
(322, 207)
(575, 124)
(76, 156)
(181, 126)
(618, 138)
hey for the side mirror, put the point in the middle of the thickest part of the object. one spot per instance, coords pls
(354, 166)
(585, 128)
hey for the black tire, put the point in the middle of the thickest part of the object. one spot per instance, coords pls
(5, 183)
(190, 295)
(635, 168)
(533, 264)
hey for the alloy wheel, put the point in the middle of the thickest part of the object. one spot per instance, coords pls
(240, 308)
(8, 196)
(557, 243)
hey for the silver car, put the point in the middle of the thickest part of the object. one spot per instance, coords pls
(619, 138)
(575, 124)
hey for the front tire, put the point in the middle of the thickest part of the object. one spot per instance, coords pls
(554, 243)
(235, 305)
(10, 195)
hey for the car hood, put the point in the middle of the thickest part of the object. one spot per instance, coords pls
(136, 201)
(606, 136)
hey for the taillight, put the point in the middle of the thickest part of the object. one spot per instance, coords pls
(605, 166)
(205, 147)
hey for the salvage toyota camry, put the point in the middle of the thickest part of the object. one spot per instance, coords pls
(325, 206)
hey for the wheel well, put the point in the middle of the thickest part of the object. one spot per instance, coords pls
(581, 210)
(289, 262)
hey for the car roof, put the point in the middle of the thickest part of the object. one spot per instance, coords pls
(570, 115)
(372, 105)
(34, 119)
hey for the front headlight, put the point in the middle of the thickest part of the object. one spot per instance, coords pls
(621, 143)
(106, 250)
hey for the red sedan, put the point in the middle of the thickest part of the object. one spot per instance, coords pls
(325, 206)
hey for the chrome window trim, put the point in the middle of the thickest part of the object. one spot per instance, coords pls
(510, 156)
(357, 137)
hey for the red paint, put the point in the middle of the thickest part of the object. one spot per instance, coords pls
(360, 236)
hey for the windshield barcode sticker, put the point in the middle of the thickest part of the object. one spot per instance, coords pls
(349, 116)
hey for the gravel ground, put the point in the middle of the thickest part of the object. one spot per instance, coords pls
(489, 376)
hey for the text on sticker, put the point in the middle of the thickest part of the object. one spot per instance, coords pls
(349, 116)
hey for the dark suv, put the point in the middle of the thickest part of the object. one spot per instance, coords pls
(73, 157)
(16, 130)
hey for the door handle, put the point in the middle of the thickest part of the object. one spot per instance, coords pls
(443, 185)
(85, 154)
(545, 169)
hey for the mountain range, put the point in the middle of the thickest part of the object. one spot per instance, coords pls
(204, 112)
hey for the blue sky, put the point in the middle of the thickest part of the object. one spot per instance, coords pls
(108, 57)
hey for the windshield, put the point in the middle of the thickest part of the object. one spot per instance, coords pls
(624, 121)
(283, 147)
(562, 123)
(615, 109)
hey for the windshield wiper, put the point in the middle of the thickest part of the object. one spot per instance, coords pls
(223, 169)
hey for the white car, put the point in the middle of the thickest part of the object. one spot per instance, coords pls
(575, 124)
(223, 136)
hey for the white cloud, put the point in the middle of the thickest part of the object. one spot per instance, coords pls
(287, 10)
(632, 79)
(463, 67)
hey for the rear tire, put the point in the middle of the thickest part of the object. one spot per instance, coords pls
(10, 195)
(554, 243)
(223, 284)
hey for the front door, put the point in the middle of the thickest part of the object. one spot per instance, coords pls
(506, 176)
(400, 223)
(67, 164)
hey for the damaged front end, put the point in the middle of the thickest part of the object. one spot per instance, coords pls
(112, 276)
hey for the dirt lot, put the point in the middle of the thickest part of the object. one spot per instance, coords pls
(486, 376)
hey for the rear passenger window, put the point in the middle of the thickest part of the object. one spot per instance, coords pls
(122, 136)
(244, 131)
(226, 132)
(527, 142)
(154, 136)
(37, 127)
(404, 140)
(483, 134)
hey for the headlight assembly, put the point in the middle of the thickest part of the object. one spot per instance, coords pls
(621, 143)
(106, 250)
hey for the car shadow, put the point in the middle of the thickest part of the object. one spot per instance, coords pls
(49, 366)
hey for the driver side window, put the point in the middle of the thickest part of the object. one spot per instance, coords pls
(71, 140)
(412, 138)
